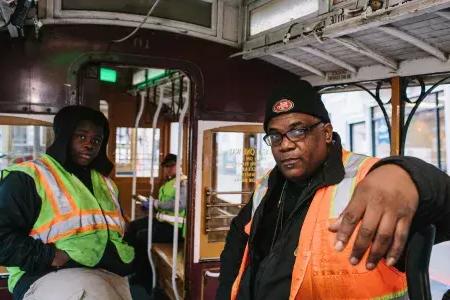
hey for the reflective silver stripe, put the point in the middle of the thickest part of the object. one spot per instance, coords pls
(61, 199)
(76, 222)
(344, 190)
(403, 295)
(115, 197)
(112, 191)
(259, 193)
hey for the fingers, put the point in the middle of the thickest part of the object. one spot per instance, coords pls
(382, 241)
(399, 242)
(335, 226)
(350, 218)
(365, 235)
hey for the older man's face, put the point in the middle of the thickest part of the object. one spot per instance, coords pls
(299, 159)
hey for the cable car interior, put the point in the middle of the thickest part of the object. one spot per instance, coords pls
(190, 78)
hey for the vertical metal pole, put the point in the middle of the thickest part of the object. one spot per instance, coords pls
(152, 186)
(177, 193)
(438, 132)
(397, 117)
(134, 161)
(36, 141)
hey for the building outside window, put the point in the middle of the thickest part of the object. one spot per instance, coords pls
(126, 152)
(19, 143)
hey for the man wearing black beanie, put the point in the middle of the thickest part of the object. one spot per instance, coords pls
(327, 223)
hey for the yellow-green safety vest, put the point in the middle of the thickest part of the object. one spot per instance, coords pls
(73, 218)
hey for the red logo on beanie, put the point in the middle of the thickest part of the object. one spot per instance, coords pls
(283, 105)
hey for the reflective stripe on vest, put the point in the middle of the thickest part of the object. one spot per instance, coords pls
(319, 271)
(69, 219)
(50, 233)
(260, 190)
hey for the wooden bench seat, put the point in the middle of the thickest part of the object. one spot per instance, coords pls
(162, 256)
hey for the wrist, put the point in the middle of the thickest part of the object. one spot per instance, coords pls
(60, 259)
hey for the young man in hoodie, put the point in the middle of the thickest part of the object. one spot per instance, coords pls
(61, 227)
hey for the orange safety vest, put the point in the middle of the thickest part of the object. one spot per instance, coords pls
(319, 271)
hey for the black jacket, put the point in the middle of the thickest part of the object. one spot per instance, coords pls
(271, 258)
(20, 206)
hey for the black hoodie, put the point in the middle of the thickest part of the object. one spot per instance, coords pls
(20, 204)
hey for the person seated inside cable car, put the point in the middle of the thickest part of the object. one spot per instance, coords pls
(162, 229)
(61, 225)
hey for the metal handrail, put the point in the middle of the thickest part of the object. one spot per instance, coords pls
(211, 193)
(134, 161)
(220, 217)
(218, 229)
(225, 205)
(177, 194)
(152, 181)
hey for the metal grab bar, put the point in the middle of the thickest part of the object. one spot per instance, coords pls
(169, 218)
(225, 205)
(177, 193)
(152, 185)
(212, 274)
(220, 217)
(134, 161)
(211, 193)
(217, 229)
(417, 262)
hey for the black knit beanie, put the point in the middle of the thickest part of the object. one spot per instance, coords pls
(299, 97)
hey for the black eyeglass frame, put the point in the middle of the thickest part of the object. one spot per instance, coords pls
(302, 134)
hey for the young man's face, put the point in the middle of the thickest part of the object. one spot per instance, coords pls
(170, 171)
(86, 142)
(299, 159)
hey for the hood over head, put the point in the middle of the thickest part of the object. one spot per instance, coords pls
(64, 126)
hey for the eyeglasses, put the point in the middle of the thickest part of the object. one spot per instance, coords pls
(294, 135)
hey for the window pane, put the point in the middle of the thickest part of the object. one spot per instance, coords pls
(265, 160)
(426, 132)
(278, 12)
(380, 133)
(21, 143)
(229, 158)
(126, 152)
(239, 159)
(440, 270)
(358, 137)
(360, 108)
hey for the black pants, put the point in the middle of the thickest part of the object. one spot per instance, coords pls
(137, 236)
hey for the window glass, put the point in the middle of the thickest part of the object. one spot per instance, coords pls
(19, 143)
(361, 125)
(265, 160)
(104, 108)
(126, 152)
(426, 132)
(426, 139)
(239, 159)
(380, 132)
(278, 12)
(229, 158)
(358, 138)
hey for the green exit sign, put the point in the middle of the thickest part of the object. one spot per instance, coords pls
(108, 75)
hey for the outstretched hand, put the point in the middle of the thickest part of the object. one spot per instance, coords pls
(384, 203)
